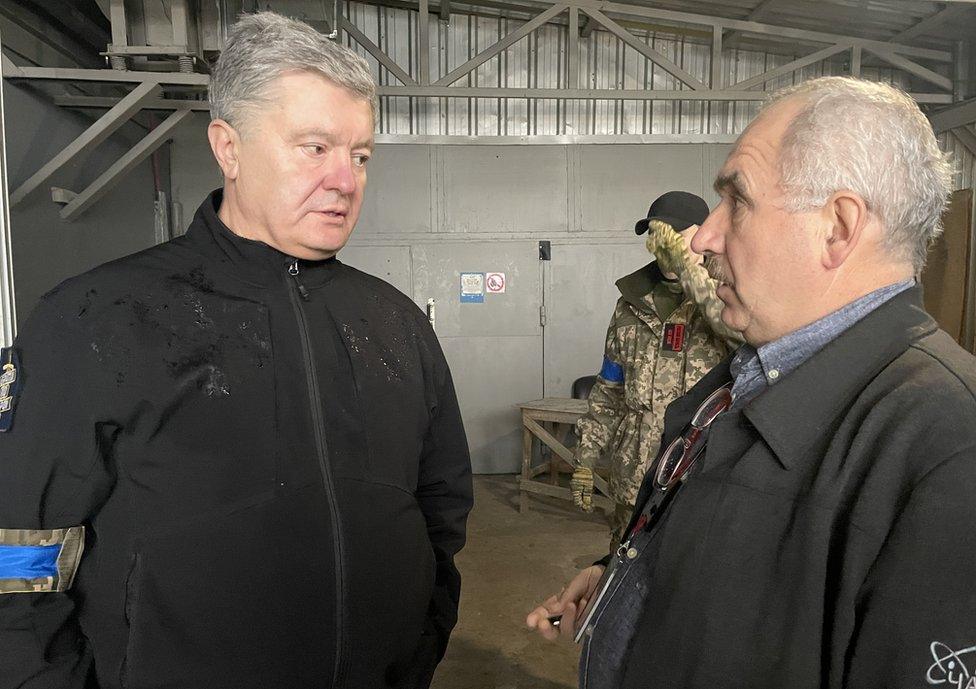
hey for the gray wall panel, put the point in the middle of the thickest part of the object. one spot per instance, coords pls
(492, 375)
(715, 155)
(436, 274)
(618, 182)
(195, 172)
(389, 263)
(504, 188)
(46, 249)
(580, 302)
(398, 191)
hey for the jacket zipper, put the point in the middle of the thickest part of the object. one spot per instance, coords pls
(320, 443)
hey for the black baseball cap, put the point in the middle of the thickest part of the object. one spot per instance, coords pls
(679, 209)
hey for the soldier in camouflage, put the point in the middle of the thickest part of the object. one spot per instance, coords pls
(665, 334)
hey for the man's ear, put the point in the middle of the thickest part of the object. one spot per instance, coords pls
(847, 216)
(225, 144)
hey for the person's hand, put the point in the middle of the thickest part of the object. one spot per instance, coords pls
(582, 487)
(570, 604)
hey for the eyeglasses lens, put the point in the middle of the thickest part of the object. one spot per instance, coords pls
(717, 402)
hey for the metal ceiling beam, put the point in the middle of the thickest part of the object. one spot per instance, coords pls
(151, 104)
(602, 94)
(121, 113)
(790, 67)
(907, 65)
(78, 22)
(760, 9)
(419, 91)
(375, 51)
(957, 116)
(933, 21)
(12, 71)
(756, 12)
(644, 49)
(108, 179)
(57, 41)
(500, 46)
(444, 12)
(767, 31)
(770, 31)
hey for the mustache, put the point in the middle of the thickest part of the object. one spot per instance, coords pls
(717, 270)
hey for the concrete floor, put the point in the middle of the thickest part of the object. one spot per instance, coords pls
(511, 563)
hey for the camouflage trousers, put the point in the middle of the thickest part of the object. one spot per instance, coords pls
(635, 447)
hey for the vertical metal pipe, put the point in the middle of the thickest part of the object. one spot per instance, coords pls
(573, 58)
(120, 34)
(962, 76)
(423, 43)
(856, 61)
(8, 306)
(181, 28)
(716, 82)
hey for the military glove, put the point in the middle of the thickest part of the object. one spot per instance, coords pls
(582, 486)
(668, 247)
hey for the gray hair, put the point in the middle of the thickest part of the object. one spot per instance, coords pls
(872, 139)
(261, 47)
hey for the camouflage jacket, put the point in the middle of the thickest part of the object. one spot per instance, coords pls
(641, 375)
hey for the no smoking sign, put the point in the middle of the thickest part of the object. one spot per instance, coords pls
(495, 283)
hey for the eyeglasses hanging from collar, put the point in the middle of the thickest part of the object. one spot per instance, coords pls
(682, 453)
(684, 450)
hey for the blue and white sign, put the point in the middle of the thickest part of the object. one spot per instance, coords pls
(472, 288)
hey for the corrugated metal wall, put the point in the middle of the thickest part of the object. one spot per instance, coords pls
(962, 159)
(539, 61)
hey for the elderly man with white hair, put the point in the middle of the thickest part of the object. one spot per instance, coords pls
(810, 519)
(259, 448)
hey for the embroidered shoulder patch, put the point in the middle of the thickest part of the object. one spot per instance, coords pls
(10, 381)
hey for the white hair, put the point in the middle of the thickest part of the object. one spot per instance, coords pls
(261, 47)
(872, 139)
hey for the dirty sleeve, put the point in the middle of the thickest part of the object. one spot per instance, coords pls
(54, 474)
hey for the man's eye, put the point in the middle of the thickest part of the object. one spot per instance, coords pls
(360, 160)
(314, 149)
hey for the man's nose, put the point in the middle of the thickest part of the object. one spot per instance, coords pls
(710, 238)
(342, 174)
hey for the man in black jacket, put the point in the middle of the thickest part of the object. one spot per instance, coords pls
(252, 453)
(809, 522)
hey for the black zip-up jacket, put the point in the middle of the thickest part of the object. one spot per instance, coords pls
(827, 538)
(270, 463)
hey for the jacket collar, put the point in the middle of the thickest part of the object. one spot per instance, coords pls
(248, 260)
(634, 287)
(794, 414)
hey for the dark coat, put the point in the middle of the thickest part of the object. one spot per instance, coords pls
(271, 468)
(828, 536)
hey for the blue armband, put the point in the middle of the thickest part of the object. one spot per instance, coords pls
(33, 561)
(612, 372)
